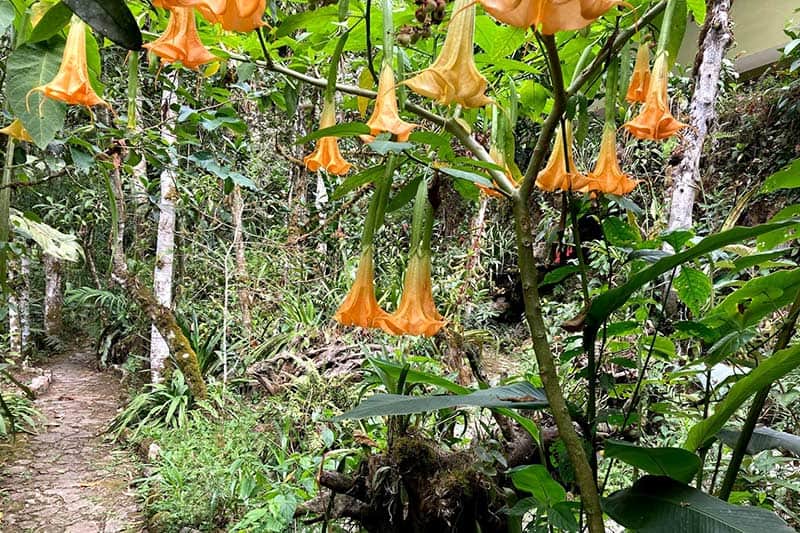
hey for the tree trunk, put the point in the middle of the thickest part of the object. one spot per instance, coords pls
(298, 178)
(165, 243)
(242, 279)
(53, 295)
(162, 316)
(24, 303)
(14, 314)
(715, 38)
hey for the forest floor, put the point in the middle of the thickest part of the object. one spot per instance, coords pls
(68, 478)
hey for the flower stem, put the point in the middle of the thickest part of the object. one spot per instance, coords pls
(377, 206)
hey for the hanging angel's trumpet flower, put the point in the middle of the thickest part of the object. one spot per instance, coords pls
(180, 41)
(607, 177)
(453, 77)
(640, 79)
(360, 307)
(385, 117)
(71, 85)
(548, 16)
(655, 122)
(233, 15)
(327, 155)
(555, 176)
(416, 314)
(17, 131)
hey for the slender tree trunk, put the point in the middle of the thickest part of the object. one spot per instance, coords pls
(53, 295)
(715, 39)
(162, 317)
(242, 279)
(14, 314)
(298, 179)
(165, 242)
(24, 303)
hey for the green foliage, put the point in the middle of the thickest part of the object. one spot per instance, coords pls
(763, 438)
(661, 504)
(160, 405)
(111, 18)
(676, 463)
(17, 413)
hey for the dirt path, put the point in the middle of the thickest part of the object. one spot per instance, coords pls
(66, 478)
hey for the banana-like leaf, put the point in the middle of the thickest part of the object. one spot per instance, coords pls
(52, 242)
(662, 505)
(769, 371)
(521, 395)
(608, 302)
(676, 463)
(110, 18)
(763, 438)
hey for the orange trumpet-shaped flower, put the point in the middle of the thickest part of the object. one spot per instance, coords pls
(360, 307)
(607, 177)
(17, 131)
(655, 122)
(550, 16)
(640, 79)
(416, 314)
(327, 155)
(241, 15)
(385, 117)
(453, 77)
(180, 41)
(71, 85)
(554, 176)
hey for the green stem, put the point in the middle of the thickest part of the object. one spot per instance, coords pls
(611, 91)
(133, 88)
(377, 206)
(333, 70)
(666, 26)
(754, 413)
(388, 33)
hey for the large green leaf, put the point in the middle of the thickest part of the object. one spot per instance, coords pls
(357, 180)
(693, 288)
(30, 66)
(7, 15)
(676, 463)
(755, 300)
(763, 438)
(769, 371)
(608, 302)
(110, 18)
(787, 178)
(521, 395)
(662, 505)
(538, 481)
(698, 10)
(52, 242)
(51, 23)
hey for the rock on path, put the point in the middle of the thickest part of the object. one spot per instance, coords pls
(66, 478)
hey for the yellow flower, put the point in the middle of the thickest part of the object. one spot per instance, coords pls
(554, 175)
(416, 314)
(607, 177)
(655, 122)
(640, 79)
(180, 41)
(17, 131)
(453, 77)
(360, 307)
(71, 85)
(327, 155)
(549, 16)
(385, 117)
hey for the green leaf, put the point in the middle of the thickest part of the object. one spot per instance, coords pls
(677, 463)
(383, 147)
(466, 175)
(7, 15)
(698, 10)
(538, 481)
(348, 129)
(608, 302)
(521, 395)
(763, 438)
(30, 66)
(788, 178)
(769, 371)
(50, 240)
(677, 238)
(693, 288)
(404, 195)
(357, 180)
(497, 40)
(754, 300)
(662, 505)
(619, 233)
(559, 274)
(663, 347)
(677, 31)
(110, 18)
(51, 23)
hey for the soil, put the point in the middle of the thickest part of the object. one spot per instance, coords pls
(68, 477)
